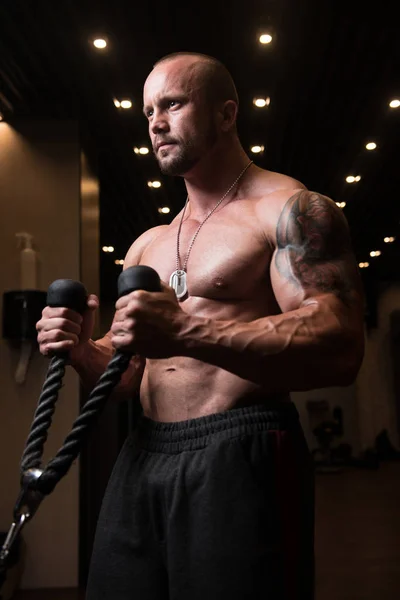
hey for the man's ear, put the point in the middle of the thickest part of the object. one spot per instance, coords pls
(228, 115)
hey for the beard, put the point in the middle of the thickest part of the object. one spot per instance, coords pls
(187, 153)
(181, 160)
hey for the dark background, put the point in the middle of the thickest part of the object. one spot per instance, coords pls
(330, 71)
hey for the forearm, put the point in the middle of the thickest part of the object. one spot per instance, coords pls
(91, 363)
(307, 348)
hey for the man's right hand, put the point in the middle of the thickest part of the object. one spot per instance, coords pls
(63, 329)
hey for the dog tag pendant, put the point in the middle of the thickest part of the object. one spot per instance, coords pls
(178, 282)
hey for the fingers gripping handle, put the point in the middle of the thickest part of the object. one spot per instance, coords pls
(66, 293)
(135, 278)
(140, 277)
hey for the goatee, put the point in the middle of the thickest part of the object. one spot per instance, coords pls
(177, 166)
(180, 163)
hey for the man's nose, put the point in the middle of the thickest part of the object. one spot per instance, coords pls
(159, 123)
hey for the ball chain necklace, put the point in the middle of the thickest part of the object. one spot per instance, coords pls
(178, 278)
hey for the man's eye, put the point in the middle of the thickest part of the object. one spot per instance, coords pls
(149, 113)
(172, 103)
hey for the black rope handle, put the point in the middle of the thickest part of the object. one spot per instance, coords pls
(139, 277)
(35, 481)
(62, 293)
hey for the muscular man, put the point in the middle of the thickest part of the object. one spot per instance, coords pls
(212, 496)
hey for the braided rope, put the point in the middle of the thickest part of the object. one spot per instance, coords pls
(32, 455)
(62, 462)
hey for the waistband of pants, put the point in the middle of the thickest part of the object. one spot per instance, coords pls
(193, 434)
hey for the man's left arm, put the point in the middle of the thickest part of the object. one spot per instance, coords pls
(318, 340)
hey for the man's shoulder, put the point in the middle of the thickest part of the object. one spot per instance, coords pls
(281, 181)
(279, 186)
(284, 196)
(274, 190)
(281, 191)
(141, 243)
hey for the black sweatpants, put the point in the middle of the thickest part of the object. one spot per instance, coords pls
(216, 507)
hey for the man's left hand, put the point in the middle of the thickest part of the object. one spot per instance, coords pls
(149, 323)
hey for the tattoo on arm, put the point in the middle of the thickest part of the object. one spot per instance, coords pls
(313, 246)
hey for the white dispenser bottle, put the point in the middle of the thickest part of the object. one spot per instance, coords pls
(28, 262)
(28, 281)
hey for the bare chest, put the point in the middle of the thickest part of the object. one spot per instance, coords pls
(228, 260)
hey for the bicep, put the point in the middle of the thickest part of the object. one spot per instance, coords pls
(313, 256)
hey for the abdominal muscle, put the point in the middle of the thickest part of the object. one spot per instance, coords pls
(180, 388)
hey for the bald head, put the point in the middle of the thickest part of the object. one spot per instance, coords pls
(212, 77)
(191, 105)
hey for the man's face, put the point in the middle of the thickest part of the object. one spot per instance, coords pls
(182, 127)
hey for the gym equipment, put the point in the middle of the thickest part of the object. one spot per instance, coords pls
(38, 481)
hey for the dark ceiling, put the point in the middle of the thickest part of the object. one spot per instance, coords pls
(330, 71)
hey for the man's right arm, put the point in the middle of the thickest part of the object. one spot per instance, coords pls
(62, 329)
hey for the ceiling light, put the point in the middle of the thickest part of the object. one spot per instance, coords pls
(341, 204)
(370, 146)
(119, 261)
(154, 184)
(100, 43)
(122, 103)
(265, 38)
(143, 150)
(108, 248)
(388, 240)
(363, 265)
(394, 103)
(164, 210)
(261, 102)
(257, 149)
(352, 178)
(375, 253)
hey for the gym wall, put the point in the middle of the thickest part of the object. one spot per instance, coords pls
(46, 190)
